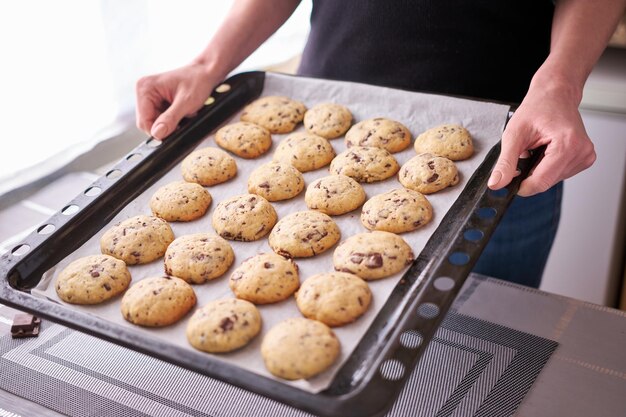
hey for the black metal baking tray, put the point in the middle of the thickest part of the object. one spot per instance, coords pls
(372, 377)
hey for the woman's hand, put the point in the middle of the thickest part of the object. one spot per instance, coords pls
(163, 100)
(548, 115)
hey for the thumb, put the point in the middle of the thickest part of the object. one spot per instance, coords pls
(166, 123)
(514, 140)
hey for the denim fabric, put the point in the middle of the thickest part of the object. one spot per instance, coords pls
(519, 248)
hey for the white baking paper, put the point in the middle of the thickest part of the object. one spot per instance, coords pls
(418, 112)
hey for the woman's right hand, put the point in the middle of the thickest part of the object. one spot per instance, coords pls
(163, 100)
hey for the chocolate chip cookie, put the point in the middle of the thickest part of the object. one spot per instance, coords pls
(334, 195)
(449, 140)
(265, 278)
(244, 139)
(244, 218)
(158, 301)
(299, 348)
(381, 133)
(198, 258)
(92, 280)
(334, 298)
(428, 173)
(138, 240)
(397, 211)
(277, 114)
(223, 325)
(304, 234)
(365, 164)
(328, 120)
(305, 151)
(276, 181)
(208, 166)
(373, 255)
(180, 201)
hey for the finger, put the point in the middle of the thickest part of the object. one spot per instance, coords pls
(166, 123)
(512, 145)
(146, 112)
(548, 172)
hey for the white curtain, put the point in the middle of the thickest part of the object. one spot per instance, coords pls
(69, 69)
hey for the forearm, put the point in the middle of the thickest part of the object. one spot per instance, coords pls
(581, 30)
(248, 24)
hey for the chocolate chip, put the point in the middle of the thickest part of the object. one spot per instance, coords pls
(268, 265)
(95, 274)
(431, 164)
(357, 258)
(265, 185)
(284, 253)
(374, 260)
(226, 324)
(433, 178)
(107, 287)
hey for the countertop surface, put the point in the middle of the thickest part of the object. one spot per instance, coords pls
(585, 375)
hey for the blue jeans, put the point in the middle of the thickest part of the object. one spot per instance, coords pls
(519, 248)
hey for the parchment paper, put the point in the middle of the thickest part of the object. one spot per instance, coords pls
(418, 112)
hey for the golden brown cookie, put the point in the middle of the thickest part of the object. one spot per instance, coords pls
(180, 201)
(328, 120)
(138, 240)
(397, 211)
(244, 139)
(334, 298)
(305, 151)
(158, 301)
(334, 195)
(92, 280)
(373, 255)
(365, 164)
(276, 181)
(223, 325)
(381, 133)
(244, 217)
(304, 234)
(208, 166)
(299, 348)
(265, 278)
(277, 114)
(450, 141)
(198, 258)
(428, 173)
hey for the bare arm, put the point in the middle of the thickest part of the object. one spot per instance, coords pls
(164, 99)
(549, 115)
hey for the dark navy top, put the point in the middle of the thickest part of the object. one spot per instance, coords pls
(477, 48)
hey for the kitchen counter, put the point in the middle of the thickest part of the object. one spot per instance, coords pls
(586, 374)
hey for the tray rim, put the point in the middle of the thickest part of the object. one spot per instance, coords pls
(322, 403)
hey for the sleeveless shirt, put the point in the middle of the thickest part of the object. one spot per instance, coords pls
(475, 48)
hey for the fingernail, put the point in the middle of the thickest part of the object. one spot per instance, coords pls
(495, 178)
(159, 131)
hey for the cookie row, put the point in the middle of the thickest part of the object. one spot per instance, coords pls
(279, 114)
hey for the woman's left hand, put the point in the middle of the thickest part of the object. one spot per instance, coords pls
(548, 115)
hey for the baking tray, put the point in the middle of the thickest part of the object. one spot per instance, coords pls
(371, 378)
